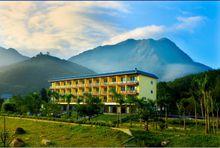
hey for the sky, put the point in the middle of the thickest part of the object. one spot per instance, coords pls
(68, 28)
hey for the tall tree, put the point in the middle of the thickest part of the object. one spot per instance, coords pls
(44, 95)
(131, 100)
(120, 100)
(68, 98)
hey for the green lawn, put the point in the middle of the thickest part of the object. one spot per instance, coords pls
(65, 135)
(107, 117)
(176, 138)
(75, 135)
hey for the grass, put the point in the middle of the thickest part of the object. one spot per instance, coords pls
(177, 137)
(64, 135)
(108, 117)
(75, 135)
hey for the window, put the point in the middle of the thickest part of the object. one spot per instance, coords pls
(132, 88)
(132, 78)
(151, 82)
(122, 88)
(123, 79)
(151, 91)
(113, 79)
(90, 81)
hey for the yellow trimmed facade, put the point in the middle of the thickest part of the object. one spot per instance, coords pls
(133, 82)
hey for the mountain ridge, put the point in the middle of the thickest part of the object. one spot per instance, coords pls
(10, 56)
(33, 74)
(160, 57)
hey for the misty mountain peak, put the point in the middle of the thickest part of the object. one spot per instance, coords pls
(161, 57)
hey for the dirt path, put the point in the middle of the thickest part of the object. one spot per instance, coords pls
(124, 130)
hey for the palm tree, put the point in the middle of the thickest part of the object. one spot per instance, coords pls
(55, 96)
(68, 98)
(78, 101)
(131, 100)
(120, 100)
(146, 109)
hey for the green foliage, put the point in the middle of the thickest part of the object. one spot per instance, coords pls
(50, 109)
(34, 73)
(90, 107)
(9, 107)
(169, 93)
(44, 95)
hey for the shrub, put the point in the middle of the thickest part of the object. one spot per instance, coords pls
(9, 107)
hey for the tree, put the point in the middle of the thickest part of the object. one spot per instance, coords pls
(51, 109)
(68, 98)
(78, 107)
(182, 107)
(146, 108)
(55, 96)
(93, 105)
(131, 100)
(119, 100)
(33, 102)
(90, 107)
(216, 96)
(9, 107)
(164, 99)
(44, 95)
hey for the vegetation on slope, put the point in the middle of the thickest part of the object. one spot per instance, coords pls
(33, 74)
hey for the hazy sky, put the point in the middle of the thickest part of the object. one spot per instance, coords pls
(68, 28)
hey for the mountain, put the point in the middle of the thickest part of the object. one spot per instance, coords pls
(34, 73)
(10, 56)
(161, 57)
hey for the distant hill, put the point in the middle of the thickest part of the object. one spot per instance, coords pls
(161, 57)
(10, 56)
(33, 74)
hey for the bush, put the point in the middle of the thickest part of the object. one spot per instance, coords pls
(161, 123)
(9, 107)
(19, 130)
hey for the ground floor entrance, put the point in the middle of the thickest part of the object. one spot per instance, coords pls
(124, 109)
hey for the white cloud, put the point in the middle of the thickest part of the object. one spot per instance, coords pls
(151, 31)
(67, 28)
(189, 23)
(63, 28)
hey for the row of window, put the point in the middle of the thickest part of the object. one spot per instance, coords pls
(123, 79)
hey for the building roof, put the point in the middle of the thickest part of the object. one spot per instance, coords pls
(135, 71)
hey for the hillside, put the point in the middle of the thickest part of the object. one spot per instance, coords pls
(33, 74)
(10, 56)
(184, 87)
(161, 57)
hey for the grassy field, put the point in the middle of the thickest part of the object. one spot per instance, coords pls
(192, 137)
(108, 117)
(64, 135)
(77, 135)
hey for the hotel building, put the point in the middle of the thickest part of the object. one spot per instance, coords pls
(132, 82)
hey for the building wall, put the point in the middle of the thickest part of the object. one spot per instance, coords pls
(141, 84)
(147, 87)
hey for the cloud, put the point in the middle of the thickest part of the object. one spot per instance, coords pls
(63, 28)
(189, 23)
(68, 28)
(157, 31)
(138, 33)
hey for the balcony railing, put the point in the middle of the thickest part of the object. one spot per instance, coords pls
(103, 84)
(129, 92)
